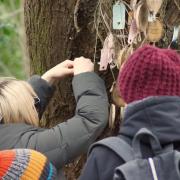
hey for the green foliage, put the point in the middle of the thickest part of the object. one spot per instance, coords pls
(11, 53)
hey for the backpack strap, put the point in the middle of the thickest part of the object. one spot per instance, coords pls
(118, 146)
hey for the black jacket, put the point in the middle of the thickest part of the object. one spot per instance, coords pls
(161, 115)
(64, 142)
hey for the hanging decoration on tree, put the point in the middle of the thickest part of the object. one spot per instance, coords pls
(119, 12)
(123, 55)
(112, 116)
(141, 17)
(107, 53)
(153, 8)
(155, 31)
(174, 42)
(133, 32)
(116, 97)
(125, 25)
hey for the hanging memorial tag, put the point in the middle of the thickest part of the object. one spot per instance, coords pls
(141, 17)
(155, 31)
(153, 7)
(132, 32)
(107, 53)
(151, 17)
(176, 33)
(112, 116)
(119, 12)
(174, 42)
(118, 101)
(104, 59)
(123, 55)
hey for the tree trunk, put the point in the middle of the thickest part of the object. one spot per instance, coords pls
(58, 30)
(52, 37)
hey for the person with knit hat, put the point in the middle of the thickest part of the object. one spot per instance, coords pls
(25, 164)
(149, 84)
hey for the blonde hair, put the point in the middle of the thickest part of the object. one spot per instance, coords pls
(17, 102)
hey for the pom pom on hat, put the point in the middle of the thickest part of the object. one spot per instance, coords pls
(150, 71)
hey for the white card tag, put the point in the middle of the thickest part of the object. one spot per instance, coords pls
(151, 17)
(104, 59)
(176, 33)
(119, 13)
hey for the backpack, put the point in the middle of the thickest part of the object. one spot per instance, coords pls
(164, 165)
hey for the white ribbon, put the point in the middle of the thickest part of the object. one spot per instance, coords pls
(153, 169)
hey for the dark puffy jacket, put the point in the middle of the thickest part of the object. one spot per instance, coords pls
(64, 142)
(161, 115)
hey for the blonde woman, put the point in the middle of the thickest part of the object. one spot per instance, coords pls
(22, 105)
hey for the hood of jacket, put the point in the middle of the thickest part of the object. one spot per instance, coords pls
(159, 114)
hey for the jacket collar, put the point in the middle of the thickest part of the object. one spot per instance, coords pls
(159, 114)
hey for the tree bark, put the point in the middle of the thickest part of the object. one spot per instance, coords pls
(52, 38)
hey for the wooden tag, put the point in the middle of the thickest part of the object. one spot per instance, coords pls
(112, 116)
(123, 55)
(154, 5)
(141, 16)
(155, 31)
(117, 98)
(119, 12)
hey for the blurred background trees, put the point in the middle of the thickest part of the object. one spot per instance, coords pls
(12, 56)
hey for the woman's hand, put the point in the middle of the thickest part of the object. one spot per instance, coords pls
(68, 67)
(82, 65)
(61, 70)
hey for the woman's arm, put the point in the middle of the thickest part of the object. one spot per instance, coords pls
(68, 140)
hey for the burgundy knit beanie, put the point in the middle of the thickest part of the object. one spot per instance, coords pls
(150, 71)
